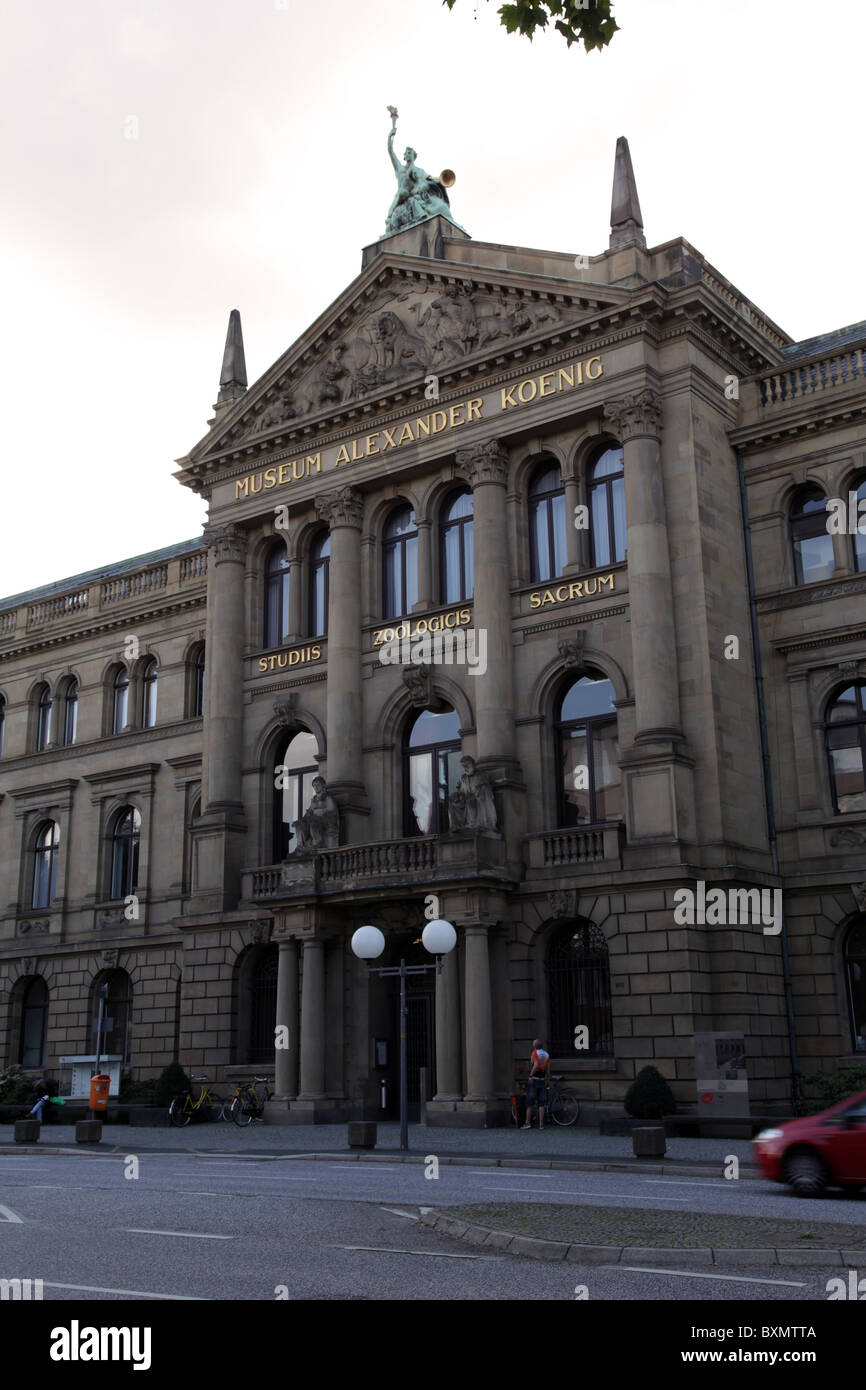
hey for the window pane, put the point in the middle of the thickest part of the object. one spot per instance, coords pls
(539, 541)
(557, 506)
(450, 773)
(468, 561)
(434, 728)
(586, 698)
(576, 797)
(451, 565)
(599, 520)
(610, 462)
(301, 752)
(619, 525)
(319, 613)
(844, 706)
(411, 546)
(608, 785)
(421, 791)
(393, 596)
(813, 558)
(846, 763)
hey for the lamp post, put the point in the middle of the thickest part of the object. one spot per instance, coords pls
(439, 937)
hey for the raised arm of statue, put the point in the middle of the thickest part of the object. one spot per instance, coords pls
(394, 160)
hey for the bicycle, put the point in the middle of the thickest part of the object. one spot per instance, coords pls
(248, 1102)
(183, 1107)
(561, 1107)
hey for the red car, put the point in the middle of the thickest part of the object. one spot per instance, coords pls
(826, 1150)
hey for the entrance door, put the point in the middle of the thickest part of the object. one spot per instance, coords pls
(420, 1048)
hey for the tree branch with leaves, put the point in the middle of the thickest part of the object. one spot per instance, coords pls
(591, 24)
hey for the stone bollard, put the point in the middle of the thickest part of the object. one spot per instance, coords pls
(648, 1141)
(27, 1131)
(88, 1131)
(362, 1134)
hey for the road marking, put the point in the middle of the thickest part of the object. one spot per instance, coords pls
(371, 1167)
(134, 1293)
(395, 1211)
(187, 1235)
(687, 1274)
(9, 1215)
(688, 1182)
(569, 1192)
(431, 1254)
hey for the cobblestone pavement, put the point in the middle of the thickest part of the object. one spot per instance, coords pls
(619, 1226)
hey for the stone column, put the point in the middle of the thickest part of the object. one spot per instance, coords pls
(573, 555)
(313, 1020)
(479, 1016)
(425, 568)
(638, 420)
(296, 587)
(286, 1068)
(342, 509)
(448, 1071)
(486, 468)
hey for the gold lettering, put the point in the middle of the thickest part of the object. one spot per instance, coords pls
(387, 634)
(578, 590)
(561, 594)
(356, 457)
(342, 456)
(455, 409)
(389, 439)
(295, 657)
(423, 425)
(282, 659)
(588, 592)
(474, 408)
(548, 376)
(593, 376)
(421, 626)
(316, 652)
(242, 486)
(263, 663)
(464, 617)
(378, 637)
(564, 378)
(535, 600)
(270, 477)
(406, 434)
(272, 662)
(284, 473)
(548, 598)
(605, 581)
(507, 394)
(526, 399)
(296, 464)
(369, 442)
(439, 415)
(314, 461)
(578, 366)
(253, 487)
(453, 617)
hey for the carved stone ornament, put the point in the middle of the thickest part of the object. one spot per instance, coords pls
(260, 933)
(319, 826)
(343, 507)
(227, 542)
(848, 670)
(108, 959)
(561, 903)
(571, 650)
(27, 964)
(849, 838)
(472, 806)
(275, 413)
(859, 891)
(419, 685)
(36, 928)
(284, 709)
(112, 917)
(484, 463)
(637, 415)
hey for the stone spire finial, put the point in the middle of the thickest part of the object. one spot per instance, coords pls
(233, 377)
(626, 223)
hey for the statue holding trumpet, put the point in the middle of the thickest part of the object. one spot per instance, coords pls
(418, 195)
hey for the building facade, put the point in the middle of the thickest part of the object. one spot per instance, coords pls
(541, 564)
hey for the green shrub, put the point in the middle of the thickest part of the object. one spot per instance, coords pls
(137, 1092)
(649, 1096)
(834, 1086)
(172, 1081)
(15, 1087)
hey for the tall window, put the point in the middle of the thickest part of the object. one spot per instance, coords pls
(148, 694)
(277, 595)
(547, 523)
(320, 562)
(859, 487)
(607, 507)
(400, 552)
(578, 988)
(845, 732)
(70, 711)
(43, 718)
(855, 974)
(810, 539)
(263, 1006)
(120, 701)
(293, 780)
(45, 850)
(2, 721)
(125, 840)
(34, 1015)
(456, 554)
(116, 1014)
(590, 785)
(432, 761)
(198, 682)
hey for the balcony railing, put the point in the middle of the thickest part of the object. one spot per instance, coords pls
(582, 846)
(7, 622)
(131, 585)
(193, 567)
(52, 608)
(807, 378)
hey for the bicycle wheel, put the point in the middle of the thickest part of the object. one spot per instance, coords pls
(178, 1113)
(242, 1110)
(565, 1110)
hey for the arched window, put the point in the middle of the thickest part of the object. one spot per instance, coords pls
(2, 721)
(432, 770)
(198, 682)
(810, 539)
(120, 701)
(855, 975)
(590, 785)
(400, 563)
(578, 990)
(46, 847)
(858, 487)
(125, 840)
(320, 563)
(296, 767)
(277, 595)
(845, 732)
(70, 711)
(456, 557)
(43, 718)
(116, 1014)
(547, 522)
(194, 815)
(34, 1016)
(148, 694)
(607, 507)
(263, 1006)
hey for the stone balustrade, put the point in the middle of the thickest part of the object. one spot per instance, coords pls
(582, 846)
(804, 379)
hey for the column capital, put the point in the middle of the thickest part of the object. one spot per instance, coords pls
(484, 463)
(343, 507)
(227, 542)
(636, 415)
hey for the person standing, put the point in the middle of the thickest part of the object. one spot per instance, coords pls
(536, 1090)
(41, 1098)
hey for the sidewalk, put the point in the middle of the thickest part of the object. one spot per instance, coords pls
(579, 1146)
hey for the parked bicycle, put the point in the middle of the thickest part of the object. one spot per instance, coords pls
(248, 1103)
(183, 1107)
(559, 1106)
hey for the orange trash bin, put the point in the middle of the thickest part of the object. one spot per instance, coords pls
(99, 1086)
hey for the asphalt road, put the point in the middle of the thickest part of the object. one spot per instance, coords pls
(192, 1227)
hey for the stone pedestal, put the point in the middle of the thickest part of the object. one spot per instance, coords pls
(648, 1141)
(88, 1132)
(27, 1131)
(362, 1134)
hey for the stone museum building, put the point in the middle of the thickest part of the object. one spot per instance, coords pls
(532, 596)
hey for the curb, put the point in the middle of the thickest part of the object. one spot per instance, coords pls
(536, 1249)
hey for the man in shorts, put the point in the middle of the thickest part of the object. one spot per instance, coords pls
(536, 1088)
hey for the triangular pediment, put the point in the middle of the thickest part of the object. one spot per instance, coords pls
(400, 322)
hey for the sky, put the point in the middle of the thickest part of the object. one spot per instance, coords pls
(165, 161)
